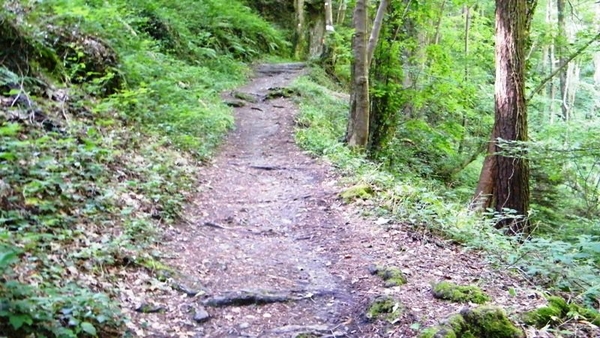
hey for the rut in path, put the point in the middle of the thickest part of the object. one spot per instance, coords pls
(270, 251)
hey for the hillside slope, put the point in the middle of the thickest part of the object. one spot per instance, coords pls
(106, 109)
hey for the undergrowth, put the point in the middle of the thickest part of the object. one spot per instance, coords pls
(106, 109)
(427, 205)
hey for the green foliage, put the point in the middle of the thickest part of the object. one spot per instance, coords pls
(125, 101)
(558, 311)
(570, 265)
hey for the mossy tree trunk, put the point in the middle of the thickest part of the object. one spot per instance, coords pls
(299, 35)
(310, 23)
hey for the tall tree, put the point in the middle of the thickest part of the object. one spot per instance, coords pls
(509, 165)
(357, 134)
(299, 39)
(561, 46)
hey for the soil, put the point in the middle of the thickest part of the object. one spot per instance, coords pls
(269, 250)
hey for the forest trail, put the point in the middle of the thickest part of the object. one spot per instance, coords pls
(269, 250)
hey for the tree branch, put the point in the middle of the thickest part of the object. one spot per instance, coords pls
(561, 67)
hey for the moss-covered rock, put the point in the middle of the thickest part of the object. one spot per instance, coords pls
(359, 191)
(488, 321)
(244, 96)
(392, 276)
(21, 53)
(384, 307)
(481, 322)
(459, 293)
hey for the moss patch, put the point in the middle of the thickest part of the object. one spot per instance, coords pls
(392, 276)
(359, 191)
(459, 293)
(480, 322)
(385, 308)
(557, 311)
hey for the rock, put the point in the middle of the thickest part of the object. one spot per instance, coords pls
(190, 292)
(201, 315)
(392, 276)
(459, 293)
(244, 96)
(244, 326)
(235, 103)
(277, 92)
(487, 321)
(150, 308)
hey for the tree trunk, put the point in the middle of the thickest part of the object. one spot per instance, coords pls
(299, 39)
(374, 38)
(467, 13)
(561, 51)
(358, 124)
(341, 13)
(511, 184)
(328, 16)
(484, 192)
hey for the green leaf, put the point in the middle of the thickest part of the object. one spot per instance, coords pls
(88, 328)
(6, 258)
(17, 321)
(10, 129)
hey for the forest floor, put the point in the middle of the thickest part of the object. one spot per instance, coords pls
(268, 249)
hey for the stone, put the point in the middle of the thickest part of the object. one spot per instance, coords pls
(201, 315)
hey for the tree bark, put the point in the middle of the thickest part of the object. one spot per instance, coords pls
(511, 182)
(357, 134)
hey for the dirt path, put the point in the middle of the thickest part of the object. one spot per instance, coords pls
(269, 250)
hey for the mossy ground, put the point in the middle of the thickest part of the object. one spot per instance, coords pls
(459, 293)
